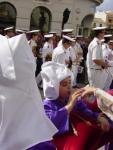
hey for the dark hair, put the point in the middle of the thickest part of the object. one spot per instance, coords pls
(34, 34)
(66, 41)
(47, 39)
(97, 32)
(48, 57)
(107, 39)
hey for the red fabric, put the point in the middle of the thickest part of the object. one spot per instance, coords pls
(83, 141)
(90, 137)
(110, 92)
(70, 141)
(93, 106)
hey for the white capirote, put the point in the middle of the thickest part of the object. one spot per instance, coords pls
(23, 122)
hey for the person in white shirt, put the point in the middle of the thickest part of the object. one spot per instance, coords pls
(78, 44)
(67, 32)
(73, 54)
(19, 31)
(9, 32)
(110, 62)
(61, 54)
(47, 51)
(33, 37)
(55, 38)
(34, 34)
(106, 56)
(48, 46)
(95, 62)
(105, 47)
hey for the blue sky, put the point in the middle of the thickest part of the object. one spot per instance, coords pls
(106, 5)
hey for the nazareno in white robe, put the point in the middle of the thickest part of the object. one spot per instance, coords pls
(23, 122)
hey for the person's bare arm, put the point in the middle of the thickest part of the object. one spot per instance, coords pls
(73, 99)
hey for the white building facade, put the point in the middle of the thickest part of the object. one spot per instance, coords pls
(102, 18)
(48, 14)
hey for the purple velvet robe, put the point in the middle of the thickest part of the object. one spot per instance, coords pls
(58, 114)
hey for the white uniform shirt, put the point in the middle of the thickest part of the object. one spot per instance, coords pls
(107, 54)
(60, 55)
(106, 51)
(94, 52)
(59, 43)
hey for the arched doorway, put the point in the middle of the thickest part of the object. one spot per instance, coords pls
(86, 24)
(8, 15)
(41, 19)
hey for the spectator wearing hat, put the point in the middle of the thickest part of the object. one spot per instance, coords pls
(78, 47)
(47, 51)
(67, 32)
(110, 43)
(55, 38)
(19, 31)
(33, 41)
(48, 47)
(107, 46)
(95, 61)
(61, 53)
(9, 32)
(107, 58)
(79, 56)
(33, 38)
